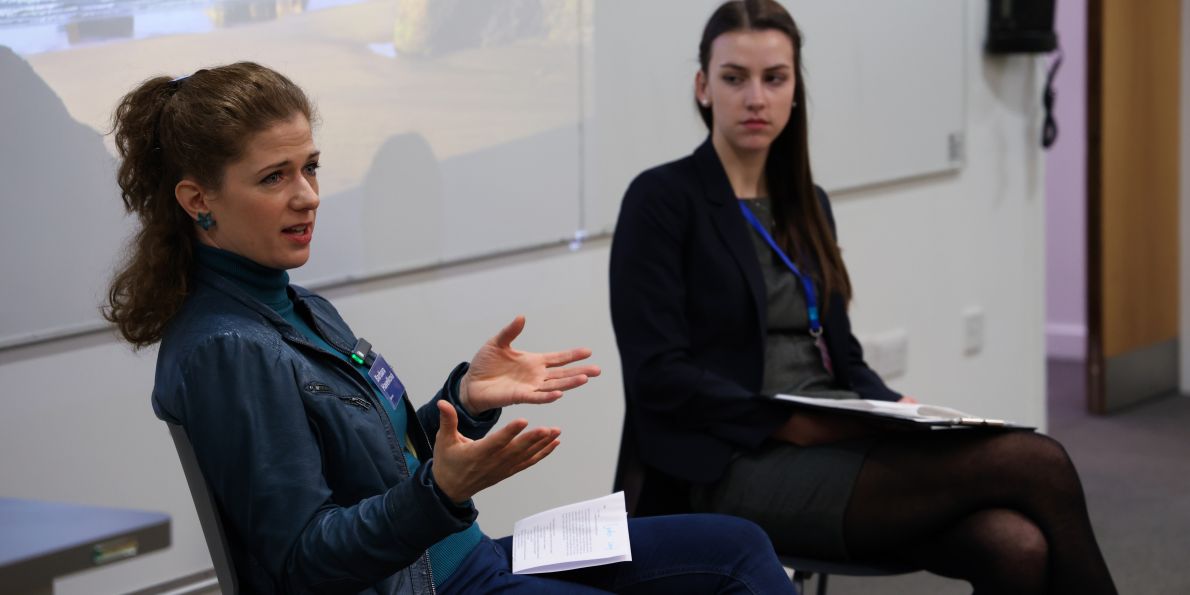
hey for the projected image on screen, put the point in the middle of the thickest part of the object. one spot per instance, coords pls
(449, 130)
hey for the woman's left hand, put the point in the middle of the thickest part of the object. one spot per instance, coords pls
(500, 375)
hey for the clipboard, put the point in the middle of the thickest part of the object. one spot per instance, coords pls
(905, 415)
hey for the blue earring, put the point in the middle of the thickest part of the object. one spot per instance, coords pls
(206, 221)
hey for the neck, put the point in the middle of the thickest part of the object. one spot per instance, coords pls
(745, 169)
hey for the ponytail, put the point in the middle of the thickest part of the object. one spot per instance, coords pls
(164, 130)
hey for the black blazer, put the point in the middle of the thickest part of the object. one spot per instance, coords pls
(688, 305)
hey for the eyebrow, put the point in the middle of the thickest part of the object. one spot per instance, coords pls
(734, 66)
(281, 164)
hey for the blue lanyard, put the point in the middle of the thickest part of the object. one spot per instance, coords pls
(807, 284)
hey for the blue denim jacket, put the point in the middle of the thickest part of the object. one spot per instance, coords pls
(302, 460)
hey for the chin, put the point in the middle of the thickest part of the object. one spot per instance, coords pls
(292, 261)
(753, 143)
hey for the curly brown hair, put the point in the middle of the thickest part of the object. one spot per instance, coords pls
(166, 130)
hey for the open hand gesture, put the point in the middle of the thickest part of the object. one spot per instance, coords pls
(463, 467)
(501, 376)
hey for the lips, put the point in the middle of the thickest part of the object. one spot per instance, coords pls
(299, 234)
(755, 123)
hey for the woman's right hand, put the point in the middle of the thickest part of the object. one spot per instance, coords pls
(463, 467)
(811, 428)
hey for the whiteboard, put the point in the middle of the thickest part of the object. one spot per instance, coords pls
(886, 83)
(449, 130)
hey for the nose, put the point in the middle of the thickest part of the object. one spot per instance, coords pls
(754, 98)
(305, 197)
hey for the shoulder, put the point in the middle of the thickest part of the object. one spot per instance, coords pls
(678, 176)
(824, 202)
(210, 313)
(212, 331)
(664, 192)
(217, 348)
(823, 199)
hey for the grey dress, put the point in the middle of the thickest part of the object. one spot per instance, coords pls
(798, 495)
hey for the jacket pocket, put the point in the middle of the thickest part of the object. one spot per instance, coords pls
(319, 388)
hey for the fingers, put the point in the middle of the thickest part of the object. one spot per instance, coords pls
(561, 358)
(551, 390)
(508, 334)
(448, 421)
(508, 457)
(590, 370)
(537, 456)
(527, 450)
(571, 379)
(529, 443)
(502, 437)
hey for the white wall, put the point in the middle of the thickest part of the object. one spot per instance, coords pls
(75, 421)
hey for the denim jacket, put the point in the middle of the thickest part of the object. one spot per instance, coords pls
(302, 460)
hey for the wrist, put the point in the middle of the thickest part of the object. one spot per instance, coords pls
(464, 395)
(446, 493)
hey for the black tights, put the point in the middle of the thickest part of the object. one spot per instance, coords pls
(1004, 511)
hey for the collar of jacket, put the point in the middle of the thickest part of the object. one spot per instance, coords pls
(336, 338)
(732, 229)
(331, 331)
(714, 178)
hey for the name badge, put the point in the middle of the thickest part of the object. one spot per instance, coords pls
(386, 380)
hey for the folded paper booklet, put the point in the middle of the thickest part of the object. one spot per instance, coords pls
(912, 414)
(589, 533)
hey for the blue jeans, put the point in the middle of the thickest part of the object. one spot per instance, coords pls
(695, 553)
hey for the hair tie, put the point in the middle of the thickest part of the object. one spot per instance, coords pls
(175, 83)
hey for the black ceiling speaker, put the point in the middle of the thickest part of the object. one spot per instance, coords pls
(1021, 26)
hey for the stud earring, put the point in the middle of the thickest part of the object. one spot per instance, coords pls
(205, 221)
(706, 102)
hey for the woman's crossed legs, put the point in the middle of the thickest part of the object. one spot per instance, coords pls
(1003, 510)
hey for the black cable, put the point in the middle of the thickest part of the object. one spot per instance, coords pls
(1049, 130)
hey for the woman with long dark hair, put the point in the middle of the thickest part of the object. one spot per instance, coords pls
(325, 476)
(727, 284)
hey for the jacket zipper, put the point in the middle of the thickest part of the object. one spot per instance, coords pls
(425, 555)
(354, 401)
(388, 425)
(320, 387)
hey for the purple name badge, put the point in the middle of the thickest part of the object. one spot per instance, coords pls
(386, 380)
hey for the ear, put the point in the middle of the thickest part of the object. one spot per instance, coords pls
(192, 197)
(700, 89)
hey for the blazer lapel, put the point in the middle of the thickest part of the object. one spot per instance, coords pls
(730, 224)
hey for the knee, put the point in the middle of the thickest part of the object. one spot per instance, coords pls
(738, 532)
(1025, 544)
(1012, 545)
(1037, 457)
(1047, 452)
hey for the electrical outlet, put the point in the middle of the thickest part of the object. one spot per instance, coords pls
(887, 353)
(896, 354)
(873, 353)
(973, 330)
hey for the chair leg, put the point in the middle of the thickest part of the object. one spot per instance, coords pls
(799, 580)
(822, 576)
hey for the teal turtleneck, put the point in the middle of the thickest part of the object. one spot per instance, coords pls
(270, 287)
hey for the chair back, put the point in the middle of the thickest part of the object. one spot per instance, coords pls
(208, 511)
(647, 491)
